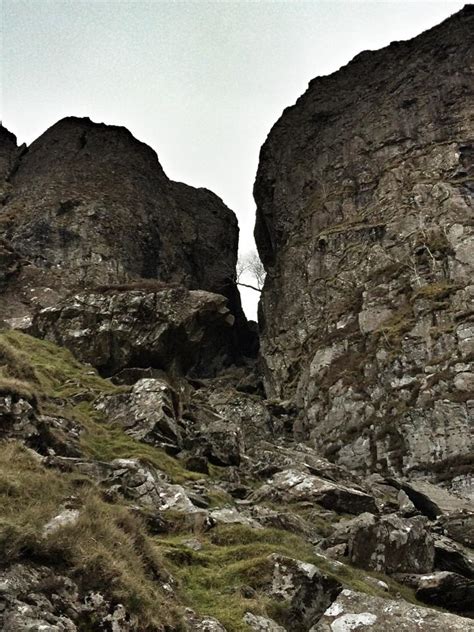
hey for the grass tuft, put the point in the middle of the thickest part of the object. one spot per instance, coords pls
(107, 549)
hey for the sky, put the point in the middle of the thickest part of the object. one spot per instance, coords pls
(201, 82)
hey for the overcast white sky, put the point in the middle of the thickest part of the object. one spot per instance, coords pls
(201, 82)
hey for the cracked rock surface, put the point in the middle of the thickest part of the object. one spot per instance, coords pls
(364, 223)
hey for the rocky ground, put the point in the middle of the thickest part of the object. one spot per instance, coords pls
(156, 474)
(154, 501)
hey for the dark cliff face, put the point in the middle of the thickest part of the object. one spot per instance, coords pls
(89, 205)
(9, 153)
(364, 223)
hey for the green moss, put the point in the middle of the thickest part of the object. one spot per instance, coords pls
(52, 369)
(435, 291)
(218, 497)
(393, 329)
(106, 442)
(230, 574)
(37, 368)
(233, 559)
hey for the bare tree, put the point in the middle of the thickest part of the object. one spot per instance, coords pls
(250, 272)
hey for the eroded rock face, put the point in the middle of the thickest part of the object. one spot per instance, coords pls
(9, 153)
(95, 201)
(89, 205)
(171, 329)
(364, 223)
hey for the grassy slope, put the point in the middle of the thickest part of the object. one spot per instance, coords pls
(109, 546)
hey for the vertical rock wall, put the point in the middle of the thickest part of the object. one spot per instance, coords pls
(365, 225)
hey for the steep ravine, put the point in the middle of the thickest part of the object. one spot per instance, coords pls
(152, 477)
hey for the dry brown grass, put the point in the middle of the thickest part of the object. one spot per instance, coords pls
(107, 549)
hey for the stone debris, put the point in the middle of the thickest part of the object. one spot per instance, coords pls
(357, 611)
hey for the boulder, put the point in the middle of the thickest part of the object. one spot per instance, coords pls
(223, 443)
(67, 517)
(261, 624)
(455, 514)
(391, 544)
(445, 589)
(358, 611)
(230, 515)
(149, 488)
(451, 556)
(459, 527)
(171, 329)
(295, 485)
(306, 590)
(345, 530)
(209, 434)
(248, 411)
(195, 623)
(434, 501)
(148, 412)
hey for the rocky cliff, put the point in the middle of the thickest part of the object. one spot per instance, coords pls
(147, 482)
(89, 205)
(365, 225)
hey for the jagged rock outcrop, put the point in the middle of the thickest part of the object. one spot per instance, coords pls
(147, 482)
(37, 598)
(170, 329)
(8, 154)
(89, 205)
(364, 223)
